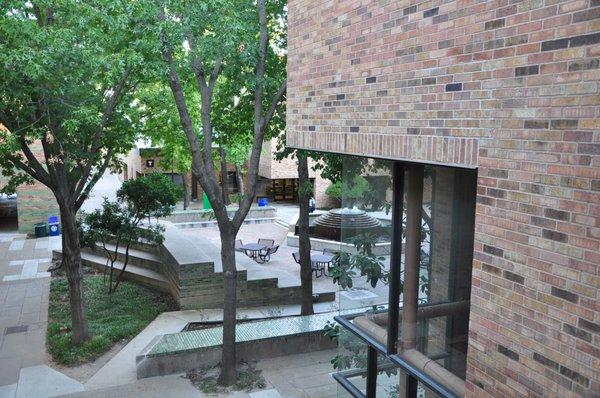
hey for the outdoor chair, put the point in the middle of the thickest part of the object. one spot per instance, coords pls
(266, 256)
(238, 246)
(317, 268)
(335, 254)
(266, 242)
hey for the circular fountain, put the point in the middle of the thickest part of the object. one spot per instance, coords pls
(354, 222)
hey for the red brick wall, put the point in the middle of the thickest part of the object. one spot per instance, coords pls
(512, 88)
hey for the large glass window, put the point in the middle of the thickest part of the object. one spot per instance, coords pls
(406, 246)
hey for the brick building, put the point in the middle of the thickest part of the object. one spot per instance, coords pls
(507, 91)
(31, 204)
(278, 180)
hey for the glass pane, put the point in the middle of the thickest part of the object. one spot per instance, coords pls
(443, 199)
(351, 360)
(365, 217)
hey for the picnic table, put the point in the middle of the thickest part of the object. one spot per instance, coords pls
(322, 260)
(253, 249)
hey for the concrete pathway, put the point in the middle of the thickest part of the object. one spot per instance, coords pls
(287, 212)
(24, 287)
(106, 187)
(283, 266)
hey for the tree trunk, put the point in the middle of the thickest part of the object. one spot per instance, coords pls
(72, 262)
(304, 192)
(224, 179)
(240, 179)
(186, 200)
(228, 355)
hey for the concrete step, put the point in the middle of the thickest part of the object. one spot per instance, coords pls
(140, 258)
(282, 223)
(134, 273)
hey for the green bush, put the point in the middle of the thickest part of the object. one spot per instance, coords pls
(349, 192)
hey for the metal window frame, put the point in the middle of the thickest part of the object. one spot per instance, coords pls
(390, 349)
(402, 364)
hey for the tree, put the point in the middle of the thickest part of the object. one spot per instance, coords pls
(120, 222)
(204, 44)
(305, 191)
(178, 160)
(349, 192)
(160, 124)
(69, 70)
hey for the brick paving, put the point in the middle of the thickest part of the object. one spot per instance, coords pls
(24, 287)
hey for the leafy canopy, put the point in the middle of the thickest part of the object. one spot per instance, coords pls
(69, 73)
(152, 195)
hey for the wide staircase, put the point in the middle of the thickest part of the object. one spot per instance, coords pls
(143, 267)
(190, 270)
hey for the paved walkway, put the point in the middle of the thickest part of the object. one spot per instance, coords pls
(106, 187)
(24, 287)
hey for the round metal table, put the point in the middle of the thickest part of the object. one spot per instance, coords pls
(253, 249)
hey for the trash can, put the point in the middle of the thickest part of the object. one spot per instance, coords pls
(41, 230)
(262, 202)
(53, 226)
(206, 202)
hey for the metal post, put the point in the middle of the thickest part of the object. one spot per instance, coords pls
(412, 385)
(371, 373)
(395, 258)
(412, 257)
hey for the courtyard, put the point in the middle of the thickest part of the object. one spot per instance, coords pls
(26, 370)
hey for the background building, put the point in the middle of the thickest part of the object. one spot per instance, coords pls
(278, 180)
(506, 90)
(32, 203)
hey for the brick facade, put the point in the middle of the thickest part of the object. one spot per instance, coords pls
(271, 168)
(35, 202)
(510, 88)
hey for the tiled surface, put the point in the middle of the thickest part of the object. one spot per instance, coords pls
(185, 341)
(23, 304)
(29, 269)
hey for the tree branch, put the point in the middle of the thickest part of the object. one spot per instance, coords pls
(106, 116)
(215, 72)
(259, 125)
(275, 103)
(42, 175)
(83, 191)
(202, 166)
(18, 163)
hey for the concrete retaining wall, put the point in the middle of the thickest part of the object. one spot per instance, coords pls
(150, 366)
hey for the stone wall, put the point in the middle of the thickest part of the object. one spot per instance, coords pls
(510, 88)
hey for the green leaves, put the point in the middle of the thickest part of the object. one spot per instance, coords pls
(348, 266)
(69, 70)
(153, 195)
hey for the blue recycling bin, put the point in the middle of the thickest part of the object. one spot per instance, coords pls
(53, 226)
(262, 202)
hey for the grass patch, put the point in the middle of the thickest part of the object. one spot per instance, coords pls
(130, 310)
